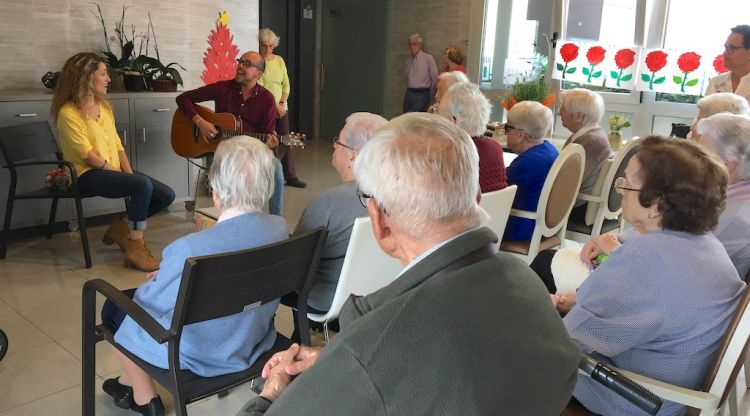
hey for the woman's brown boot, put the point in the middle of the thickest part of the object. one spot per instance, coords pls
(117, 233)
(139, 257)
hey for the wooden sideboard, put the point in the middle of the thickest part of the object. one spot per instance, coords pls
(144, 121)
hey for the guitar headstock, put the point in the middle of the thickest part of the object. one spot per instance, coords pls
(296, 140)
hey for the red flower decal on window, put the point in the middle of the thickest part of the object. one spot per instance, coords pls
(595, 55)
(719, 64)
(569, 52)
(689, 61)
(656, 60)
(624, 58)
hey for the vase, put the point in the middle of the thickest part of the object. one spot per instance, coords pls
(135, 82)
(615, 139)
(116, 81)
(164, 85)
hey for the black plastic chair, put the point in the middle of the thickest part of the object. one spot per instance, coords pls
(33, 144)
(211, 287)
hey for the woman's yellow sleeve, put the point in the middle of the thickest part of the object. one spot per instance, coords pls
(73, 133)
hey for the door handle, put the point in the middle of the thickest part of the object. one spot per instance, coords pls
(27, 115)
(143, 135)
(162, 110)
(124, 137)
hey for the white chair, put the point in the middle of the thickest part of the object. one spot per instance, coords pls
(366, 269)
(718, 388)
(604, 211)
(497, 204)
(555, 203)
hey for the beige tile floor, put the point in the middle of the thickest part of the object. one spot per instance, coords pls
(40, 309)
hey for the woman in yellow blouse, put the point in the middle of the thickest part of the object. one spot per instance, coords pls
(90, 142)
(276, 79)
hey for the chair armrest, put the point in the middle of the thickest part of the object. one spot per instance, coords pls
(70, 166)
(589, 198)
(692, 398)
(523, 214)
(143, 319)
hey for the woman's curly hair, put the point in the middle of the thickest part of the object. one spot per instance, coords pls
(688, 184)
(74, 82)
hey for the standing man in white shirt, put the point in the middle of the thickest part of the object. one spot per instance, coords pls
(421, 74)
(737, 59)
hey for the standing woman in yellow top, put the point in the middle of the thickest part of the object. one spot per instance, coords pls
(276, 79)
(90, 141)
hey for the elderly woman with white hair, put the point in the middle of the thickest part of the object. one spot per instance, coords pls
(465, 105)
(728, 136)
(276, 80)
(721, 102)
(445, 81)
(581, 110)
(336, 208)
(241, 179)
(528, 123)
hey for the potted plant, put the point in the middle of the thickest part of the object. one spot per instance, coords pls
(162, 77)
(532, 86)
(121, 72)
(616, 123)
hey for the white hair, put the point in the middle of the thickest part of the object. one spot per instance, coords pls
(452, 77)
(359, 128)
(417, 37)
(729, 136)
(532, 117)
(468, 106)
(586, 102)
(242, 172)
(423, 171)
(268, 36)
(722, 102)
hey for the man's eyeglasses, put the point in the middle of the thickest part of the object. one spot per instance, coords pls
(337, 142)
(363, 197)
(619, 185)
(507, 128)
(248, 64)
(731, 48)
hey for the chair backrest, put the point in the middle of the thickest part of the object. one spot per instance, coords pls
(614, 202)
(224, 284)
(731, 354)
(30, 141)
(498, 204)
(366, 268)
(560, 189)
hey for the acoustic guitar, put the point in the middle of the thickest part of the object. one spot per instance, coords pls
(187, 140)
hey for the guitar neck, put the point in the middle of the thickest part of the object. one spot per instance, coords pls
(226, 134)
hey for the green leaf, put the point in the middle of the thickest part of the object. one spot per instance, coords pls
(692, 82)
(645, 77)
(677, 79)
(596, 74)
(571, 70)
(627, 77)
(559, 67)
(585, 71)
(626, 124)
(659, 80)
(613, 74)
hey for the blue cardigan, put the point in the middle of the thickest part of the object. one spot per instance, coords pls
(219, 346)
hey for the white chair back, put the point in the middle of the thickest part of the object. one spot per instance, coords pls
(366, 269)
(497, 204)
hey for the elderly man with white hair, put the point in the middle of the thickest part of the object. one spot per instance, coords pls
(241, 177)
(336, 208)
(581, 110)
(465, 105)
(421, 73)
(721, 102)
(451, 334)
(528, 123)
(728, 136)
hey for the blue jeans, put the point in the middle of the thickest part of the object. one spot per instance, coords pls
(276, 202)
(144, 195)
(416, 99)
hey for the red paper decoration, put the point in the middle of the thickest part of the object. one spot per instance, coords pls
(568, 52)
(624, 58)
(595, 56)
(655, 61)
(687, 62)
(719, 64)
(220, 58)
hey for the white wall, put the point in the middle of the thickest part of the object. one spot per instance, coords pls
(37, 36)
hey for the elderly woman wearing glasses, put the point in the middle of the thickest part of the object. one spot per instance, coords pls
(660, 297)
(336, 208)
(528, 123)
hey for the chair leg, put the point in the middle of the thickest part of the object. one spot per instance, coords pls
(84, 233)
(747, 372)
(51, 222)
(224, 393)
(6, 224)
(732, 401)
(88, 351)
(325, 331)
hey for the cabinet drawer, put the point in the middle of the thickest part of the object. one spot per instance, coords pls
(121, 109)
(19, 112)
(150, 110)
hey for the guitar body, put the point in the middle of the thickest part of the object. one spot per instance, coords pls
(187, 140)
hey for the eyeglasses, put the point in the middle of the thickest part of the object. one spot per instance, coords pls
(619, 185)
(363, 198)
(507, 128)
(337, 142)
(731, 48)
(248, 64)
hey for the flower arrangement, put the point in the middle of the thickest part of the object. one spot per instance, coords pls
(618, 122)
(531, 87)
(57, 179)
(127, 44)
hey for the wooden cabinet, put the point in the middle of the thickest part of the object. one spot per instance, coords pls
(143, 122)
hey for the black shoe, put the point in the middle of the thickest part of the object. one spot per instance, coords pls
(121, 394)
(153, 408)
(295, 182)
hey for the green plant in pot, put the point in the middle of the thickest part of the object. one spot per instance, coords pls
(162, 77)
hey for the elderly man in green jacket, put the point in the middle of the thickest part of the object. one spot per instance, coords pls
(464, 330)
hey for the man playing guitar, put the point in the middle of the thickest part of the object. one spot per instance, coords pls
(248, 101)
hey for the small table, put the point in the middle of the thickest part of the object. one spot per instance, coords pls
(205, 218)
